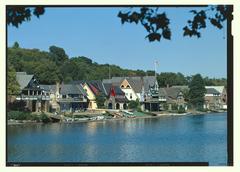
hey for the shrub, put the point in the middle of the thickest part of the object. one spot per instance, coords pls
(181, 109)
(44, 118)
(165, 106)
(17, 106)
(174, 106)
(134, 105)
(18, 115)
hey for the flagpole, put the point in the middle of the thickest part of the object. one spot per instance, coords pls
(155, 66)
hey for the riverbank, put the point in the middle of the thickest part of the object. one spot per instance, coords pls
(102, 118)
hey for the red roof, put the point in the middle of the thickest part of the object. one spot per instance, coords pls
(94, 89)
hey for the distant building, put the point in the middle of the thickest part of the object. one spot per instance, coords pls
(71, 98)
(223, 96)
(116, 98)
(134, 87)
(175, 96)
(51, 90)
(93, 88)
(212, 99)
(36, 99)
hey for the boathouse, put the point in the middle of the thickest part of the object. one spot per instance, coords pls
(72, 98)
(31, 93)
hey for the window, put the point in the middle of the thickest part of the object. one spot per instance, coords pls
(122, 86)
(130, 95)
(128, 86)
(64, 96)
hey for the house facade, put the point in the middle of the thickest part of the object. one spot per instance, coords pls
(223, 95)
(129, 91)
(116, 98)
(31, 93)
(212, 99)
(51, 90)
(175, 97)
(133, 87)
(71, 98)
(91, 95)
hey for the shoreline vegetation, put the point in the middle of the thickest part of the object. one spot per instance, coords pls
(17, 117)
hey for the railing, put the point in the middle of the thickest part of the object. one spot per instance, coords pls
(75, 99)
(33, 97)
(156, 99)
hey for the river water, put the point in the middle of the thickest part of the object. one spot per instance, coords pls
(191, 138)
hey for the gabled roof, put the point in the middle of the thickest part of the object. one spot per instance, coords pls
(94, 90)
(218, 88)
(172, 92)
(117, 89)
(48, 88)
(115, 81)
(78, 82)
(98, 84)
(107, 87)
(121, 99)
(72, 89)
(162, 92)
(136, 82)
(23, 79)
(149, 81)
(182, 87)
(212, 91)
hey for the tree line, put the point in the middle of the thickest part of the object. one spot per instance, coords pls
(55, 65)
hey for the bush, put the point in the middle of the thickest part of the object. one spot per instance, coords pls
(17, 106)
(174, 106)
(44, 118)
(134, 105)
(19, 115)
(100, 100)
(181, 109)
(165, 106)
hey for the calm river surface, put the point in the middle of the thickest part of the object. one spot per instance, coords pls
(199, 138)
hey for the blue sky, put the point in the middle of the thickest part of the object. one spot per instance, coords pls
(97, 33)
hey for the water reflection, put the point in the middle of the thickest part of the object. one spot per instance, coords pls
(182, 138)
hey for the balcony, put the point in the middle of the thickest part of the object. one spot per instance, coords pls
(162, 99)
(70, 99)
(33, 97)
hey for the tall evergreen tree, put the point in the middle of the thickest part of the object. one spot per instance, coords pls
(196, 91)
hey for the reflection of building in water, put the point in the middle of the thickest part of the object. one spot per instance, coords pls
(90, 151)
(91, 128)
(133, 126)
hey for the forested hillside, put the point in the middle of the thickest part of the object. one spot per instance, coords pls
(56, 65)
